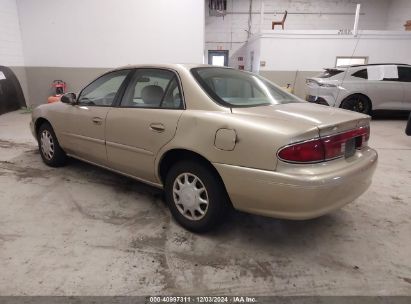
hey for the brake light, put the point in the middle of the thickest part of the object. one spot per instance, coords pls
(325, 148)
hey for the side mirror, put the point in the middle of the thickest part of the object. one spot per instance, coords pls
(69, 98)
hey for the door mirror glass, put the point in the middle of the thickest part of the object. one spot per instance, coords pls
(69, 98)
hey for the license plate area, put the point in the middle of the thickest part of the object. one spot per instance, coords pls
(350, 146)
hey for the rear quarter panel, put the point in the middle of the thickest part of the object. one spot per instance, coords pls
(349, 87)
(257, 138)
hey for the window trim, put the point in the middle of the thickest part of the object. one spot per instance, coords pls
(117, 93)
(117, 104)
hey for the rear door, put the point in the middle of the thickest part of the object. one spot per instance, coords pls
(404, 74)
(385, 91)
(144, 121)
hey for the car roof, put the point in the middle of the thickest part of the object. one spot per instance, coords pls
(365, 65)
(175, 66)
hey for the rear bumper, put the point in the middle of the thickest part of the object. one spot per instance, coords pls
(325, 96)
(298, 196)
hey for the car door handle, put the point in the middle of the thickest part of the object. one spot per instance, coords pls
(158, 127)
(97, 120)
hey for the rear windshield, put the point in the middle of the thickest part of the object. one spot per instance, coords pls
(329, 73)
(233, 88)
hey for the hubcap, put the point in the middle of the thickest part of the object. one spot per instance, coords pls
(190, 196)
(47, 144)
(359, 106)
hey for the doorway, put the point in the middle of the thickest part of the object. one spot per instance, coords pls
(219, 58)
(11, 94)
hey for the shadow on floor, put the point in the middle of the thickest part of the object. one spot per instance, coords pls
(236, 224)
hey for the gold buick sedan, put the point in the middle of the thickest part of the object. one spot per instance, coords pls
(212, 138)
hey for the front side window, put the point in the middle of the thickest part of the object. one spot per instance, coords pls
(233, 88)
(153, 88)
(102, 91)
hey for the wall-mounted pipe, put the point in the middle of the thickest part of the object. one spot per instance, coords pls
(357, 17)
(261, 16)
(226, 41)
(294, 13)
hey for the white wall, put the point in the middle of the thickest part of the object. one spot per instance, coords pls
(399, 12)
(230, 32)
(315, 50)
(109, 33)
(253, 45)
(328, 15)
(11, 51)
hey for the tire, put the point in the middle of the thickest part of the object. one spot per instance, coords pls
(49, 147)
(183, 196)
(357, 103)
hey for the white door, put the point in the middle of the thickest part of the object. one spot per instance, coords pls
(384, 89)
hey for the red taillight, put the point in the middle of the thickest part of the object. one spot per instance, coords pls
(309, 151)
(325, 148)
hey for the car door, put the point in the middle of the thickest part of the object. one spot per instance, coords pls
(385, 92)
(404, 74)
(144, 121)
(85, 132)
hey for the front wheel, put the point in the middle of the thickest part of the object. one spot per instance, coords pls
(50, 150)
(196, 196)
(357, 103)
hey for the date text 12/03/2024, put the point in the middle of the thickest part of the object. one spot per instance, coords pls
(201, 299)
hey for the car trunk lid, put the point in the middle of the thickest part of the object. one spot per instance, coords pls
(328, 120)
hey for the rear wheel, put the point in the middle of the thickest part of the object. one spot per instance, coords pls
(50, 150)
(357, 103)
(195, 195)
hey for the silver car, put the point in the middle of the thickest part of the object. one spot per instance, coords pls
(363, 88)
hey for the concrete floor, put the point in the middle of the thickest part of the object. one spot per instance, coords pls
(80, 230)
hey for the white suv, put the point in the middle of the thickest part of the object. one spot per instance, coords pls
(363, 88)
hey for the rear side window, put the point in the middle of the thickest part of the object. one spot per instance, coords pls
(153, 88)
(404, 74)
(361, 74)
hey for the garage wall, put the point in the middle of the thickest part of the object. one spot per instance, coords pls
(230, 32)
(77, 40)
(11, 47)
(289, 57)
(399, 12)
